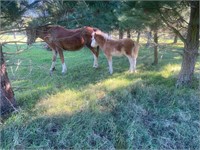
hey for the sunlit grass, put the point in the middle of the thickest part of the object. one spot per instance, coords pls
(18, 38)
(63, 102)
(6, 38)
(170, 70)
(71, 101)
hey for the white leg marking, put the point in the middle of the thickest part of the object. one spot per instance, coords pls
(134, 64)
(64, 68)
(95, 65)
(53, 60)
(132, 61)
(52, 65)
(110, 66)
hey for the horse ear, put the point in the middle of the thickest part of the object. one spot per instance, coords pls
(95, 29)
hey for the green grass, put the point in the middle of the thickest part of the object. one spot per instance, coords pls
(89, 109)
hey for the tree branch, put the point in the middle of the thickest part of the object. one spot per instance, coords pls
(176, 12)
(173, 28)
(12, 42)
(11, 30)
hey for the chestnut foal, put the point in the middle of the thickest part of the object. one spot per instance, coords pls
(110, 47)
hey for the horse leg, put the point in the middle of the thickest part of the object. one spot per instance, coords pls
(64, 67)
(53, 61)
(109, 58)
(132, 61)
(134, 64)
(95, 55)
(95, 64)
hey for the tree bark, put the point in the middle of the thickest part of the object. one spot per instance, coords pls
(149, 36)
(191, 46)
(7, 102)
(128, 33)
(155, 37)
(138, 36)
(121, 34)
(175, 39)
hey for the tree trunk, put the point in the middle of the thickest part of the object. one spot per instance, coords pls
(149, 36)
(14, 34)
(155, 47)
(175, 39)
(121, 34)
(191, 46)
(7, 102)
(138, 37)
(128, 33)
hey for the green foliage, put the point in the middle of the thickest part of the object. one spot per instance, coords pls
(12, 13)
(74, 14)
(90, 109)
(140, 15)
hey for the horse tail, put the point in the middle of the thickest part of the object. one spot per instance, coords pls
(135, 49)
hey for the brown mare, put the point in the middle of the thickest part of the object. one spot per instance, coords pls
(110, 47)
(59, 39)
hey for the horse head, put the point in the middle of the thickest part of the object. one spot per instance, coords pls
(103, 35)
(94, 43)
(31, 34)
(34, 32)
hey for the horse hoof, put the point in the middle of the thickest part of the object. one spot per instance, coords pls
(95, 66)
(50, 73)
(63, 73)
(53, 69)
(132, 71)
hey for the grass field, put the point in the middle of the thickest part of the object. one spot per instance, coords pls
(90, 109)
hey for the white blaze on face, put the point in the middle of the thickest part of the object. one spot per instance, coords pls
(93, 43)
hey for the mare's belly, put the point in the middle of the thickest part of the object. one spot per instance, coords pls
(73, 44)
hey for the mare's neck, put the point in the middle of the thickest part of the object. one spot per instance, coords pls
(42, 33)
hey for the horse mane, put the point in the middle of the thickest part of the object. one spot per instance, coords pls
(104, 35)
(51, 26)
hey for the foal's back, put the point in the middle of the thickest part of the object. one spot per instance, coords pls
(123, 45)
